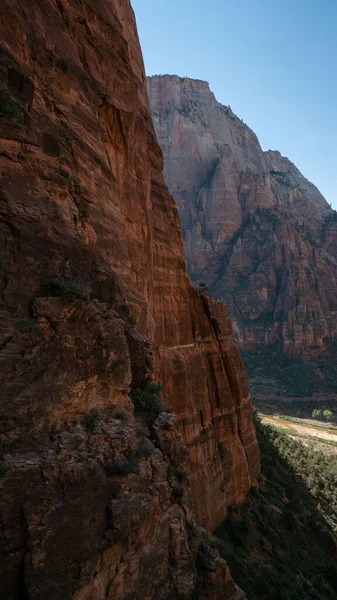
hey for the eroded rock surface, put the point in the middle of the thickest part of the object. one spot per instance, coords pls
(256, 231)
(92, 504)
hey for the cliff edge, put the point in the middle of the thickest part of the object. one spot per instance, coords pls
(95, 306)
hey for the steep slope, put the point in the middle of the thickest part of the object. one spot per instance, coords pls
(256, 231)
(93, 504)
(298, 499)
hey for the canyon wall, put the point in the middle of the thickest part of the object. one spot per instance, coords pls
(259, 234)
(93, 503)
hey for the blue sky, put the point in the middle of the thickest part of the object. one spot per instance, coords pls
(274, 63)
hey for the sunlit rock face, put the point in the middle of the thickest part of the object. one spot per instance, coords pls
(90, 238)
(256, 231)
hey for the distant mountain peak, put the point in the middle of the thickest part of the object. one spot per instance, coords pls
(256, 230)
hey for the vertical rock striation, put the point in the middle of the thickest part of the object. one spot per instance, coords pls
(91, 506)
(256, 231)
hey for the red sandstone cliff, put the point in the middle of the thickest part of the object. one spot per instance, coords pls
(256, 231)
(91, 506)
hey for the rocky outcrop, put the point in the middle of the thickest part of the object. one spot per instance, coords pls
(93, 503)
(256, 231)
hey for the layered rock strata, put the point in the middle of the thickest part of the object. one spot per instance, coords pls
(93, 504)
(256, 231)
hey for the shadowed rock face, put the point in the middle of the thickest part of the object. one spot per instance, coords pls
(90, 239)
(256, 231)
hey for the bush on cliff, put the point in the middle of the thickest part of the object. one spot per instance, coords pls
(132, 320)
(55, 286)
(122, 415)
(123, 466)
(89, 421)
(147, 402)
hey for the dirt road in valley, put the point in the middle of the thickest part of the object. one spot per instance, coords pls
(306, 430)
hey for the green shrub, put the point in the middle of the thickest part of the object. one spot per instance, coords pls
(63, 172)
(327, 414)
(63, 289)
(89, 421)
(132, 320)
(144, 449)
(182, 475)
(26, 326)
(149, 361)
(123, 466)
(122, 415)
(147, 402)
(142, 431)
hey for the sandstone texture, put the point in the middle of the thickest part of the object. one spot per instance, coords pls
(259, 234)
(93, 504)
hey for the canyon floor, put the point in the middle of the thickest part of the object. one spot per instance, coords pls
(323, 436)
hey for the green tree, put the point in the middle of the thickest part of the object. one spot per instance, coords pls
(316, 413)
(327, 414)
